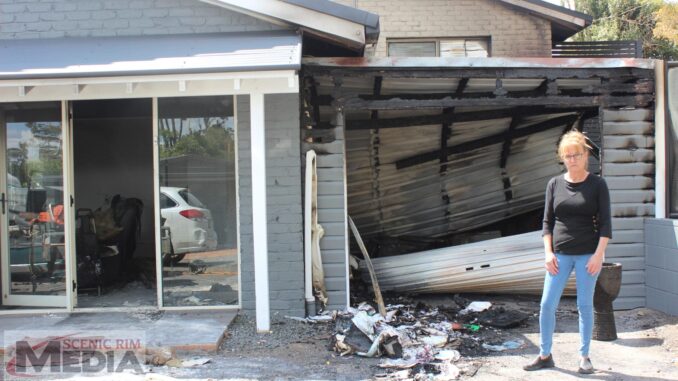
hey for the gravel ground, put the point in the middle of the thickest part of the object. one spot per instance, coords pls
(647, 350)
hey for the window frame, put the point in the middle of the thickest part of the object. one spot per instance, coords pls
(437, 40)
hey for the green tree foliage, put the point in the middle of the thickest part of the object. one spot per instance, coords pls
(208, 137)
(632, 20)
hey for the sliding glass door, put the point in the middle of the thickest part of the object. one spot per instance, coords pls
(34, 242)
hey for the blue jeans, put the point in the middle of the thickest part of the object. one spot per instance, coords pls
(553, 289)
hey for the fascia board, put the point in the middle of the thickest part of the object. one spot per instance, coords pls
(551, 13)
(290, 15)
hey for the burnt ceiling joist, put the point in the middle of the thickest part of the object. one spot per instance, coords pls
(559, 101)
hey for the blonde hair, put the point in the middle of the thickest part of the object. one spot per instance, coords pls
(573, 138)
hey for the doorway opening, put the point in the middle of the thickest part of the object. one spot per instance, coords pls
(114, 213)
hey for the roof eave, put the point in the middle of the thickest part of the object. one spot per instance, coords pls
(565, 22)
(346, 26)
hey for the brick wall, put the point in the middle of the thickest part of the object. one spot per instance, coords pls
(85, 18)
(513, 33)
(283, 191)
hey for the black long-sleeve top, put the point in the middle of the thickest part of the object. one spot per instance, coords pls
(577, 214)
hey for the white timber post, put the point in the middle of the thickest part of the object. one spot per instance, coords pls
(259, 219)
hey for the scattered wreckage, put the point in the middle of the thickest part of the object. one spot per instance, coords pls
(419, 342)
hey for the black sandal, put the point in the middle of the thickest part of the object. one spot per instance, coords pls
(540, 363)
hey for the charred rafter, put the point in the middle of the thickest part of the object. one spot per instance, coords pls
(565, 102)
(505, 152)
(476, 72)
(461, 86)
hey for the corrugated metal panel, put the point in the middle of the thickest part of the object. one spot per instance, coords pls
(412, 201)
(512, 264)
(136, 55)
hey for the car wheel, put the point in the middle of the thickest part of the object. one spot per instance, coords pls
(171, 258)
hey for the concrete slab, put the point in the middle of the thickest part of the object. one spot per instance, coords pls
(178, 331)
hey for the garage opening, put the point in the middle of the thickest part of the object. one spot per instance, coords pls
(446, 166)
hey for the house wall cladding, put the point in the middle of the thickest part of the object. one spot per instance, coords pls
(628, 167)
(93, 18)
(513, 33)
(284, 204)
(661, 264)
(331, 174)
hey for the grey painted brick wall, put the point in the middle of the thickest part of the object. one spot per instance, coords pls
(661, 264)
(285, 222)
(86, 18)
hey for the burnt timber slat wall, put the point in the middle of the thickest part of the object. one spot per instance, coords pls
(628, 167)
(331, 166)
(329, 146)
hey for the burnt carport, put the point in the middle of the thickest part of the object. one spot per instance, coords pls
(434, 152)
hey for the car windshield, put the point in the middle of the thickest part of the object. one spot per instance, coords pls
(190, 199)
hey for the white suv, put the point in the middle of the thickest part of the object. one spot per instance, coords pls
(189, 222)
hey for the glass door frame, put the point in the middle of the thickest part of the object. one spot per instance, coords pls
(156, 205)
(46, 301)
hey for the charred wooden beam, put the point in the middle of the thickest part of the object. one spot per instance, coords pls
(594, 150)
(505, 152)
(445, 132)
(552, 101)
(461, 87)
(376, 90)
(313, 90)
(324, 100)
(449, 72)
(499, 90)
(640, 87)
(426, 96)
(486, 141)
(508, 141)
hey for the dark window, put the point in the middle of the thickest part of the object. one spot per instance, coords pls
(190, 199)
(443, 47)
(166, 202)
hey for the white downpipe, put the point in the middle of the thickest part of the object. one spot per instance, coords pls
(660, 141)
(259, 219)
(309, 196)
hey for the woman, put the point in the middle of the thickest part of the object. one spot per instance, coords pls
(577, 227)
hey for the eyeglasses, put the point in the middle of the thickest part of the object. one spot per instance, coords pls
(576, 156)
